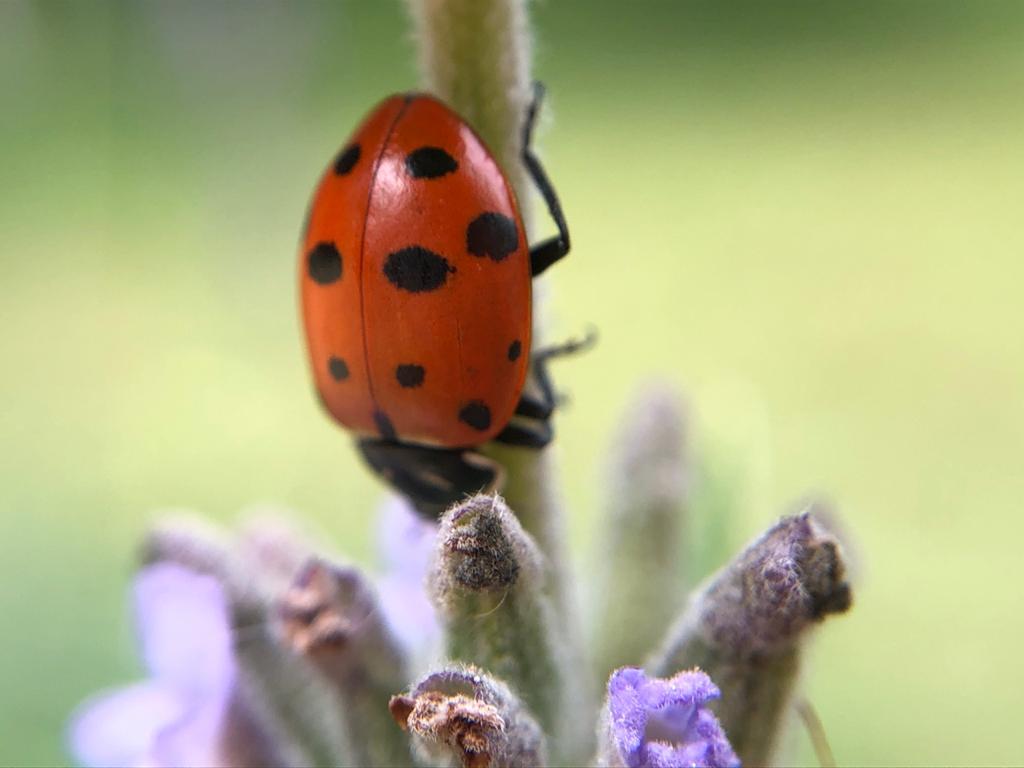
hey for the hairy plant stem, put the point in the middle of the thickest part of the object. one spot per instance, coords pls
(475, 55)
(488, 585)
(643, 520)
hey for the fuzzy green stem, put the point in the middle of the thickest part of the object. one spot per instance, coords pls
(640, 580)
(475, 55)
(488, 585)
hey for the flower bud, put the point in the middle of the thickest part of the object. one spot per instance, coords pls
(331, 617)
(745, 628)
(461, 713)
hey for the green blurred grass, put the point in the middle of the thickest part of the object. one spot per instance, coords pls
(805, 214)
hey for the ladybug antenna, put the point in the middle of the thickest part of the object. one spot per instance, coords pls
(569, 347)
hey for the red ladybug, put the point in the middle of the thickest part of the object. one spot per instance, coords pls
(416, 299)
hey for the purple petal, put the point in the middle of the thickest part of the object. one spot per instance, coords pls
(664, 723)
(183, 622)
(628, 714)
(661, 755)
(408, 613)
(193, 741)
(405, 540)
(117, 728)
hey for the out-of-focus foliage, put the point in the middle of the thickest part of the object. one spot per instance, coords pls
(807, 214)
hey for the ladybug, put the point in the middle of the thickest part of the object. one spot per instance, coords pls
(416, 278)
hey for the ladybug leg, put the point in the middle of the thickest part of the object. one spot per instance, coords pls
(433, 479)
(537, 408)
(524, 436)
(539, 368)
(533, 407)
(546, 252)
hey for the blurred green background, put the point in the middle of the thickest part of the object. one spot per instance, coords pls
(807, 215)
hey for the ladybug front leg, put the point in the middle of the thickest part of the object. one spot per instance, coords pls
(433, 479)
(547, 252)
(539, 367)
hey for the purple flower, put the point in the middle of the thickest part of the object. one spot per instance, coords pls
(406, 543)
(175, 717)
(656, 723)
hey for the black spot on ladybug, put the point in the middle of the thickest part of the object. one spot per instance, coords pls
(324, 263)
(347, 159)
(409, 375)
(416, 269)
(430, 163)
(476, 414)
(515, 349)
(338, 368)
(384, 425)
(493, 235)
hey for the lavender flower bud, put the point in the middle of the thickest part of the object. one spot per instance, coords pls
(744, 628)
(289, 695)
(331, 617)
(273, 547)
(190, 541)
(254, 565)
(251, 568)
(640, 580)
(654, 723)
(489, 585)
(460, 713)
(189, 712)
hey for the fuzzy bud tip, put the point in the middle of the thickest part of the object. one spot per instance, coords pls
(790, 578)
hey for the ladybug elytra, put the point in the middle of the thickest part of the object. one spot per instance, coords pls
(416, 277)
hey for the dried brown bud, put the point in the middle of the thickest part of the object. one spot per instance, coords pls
(461, 713)
(471, 728)
(330, 616)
